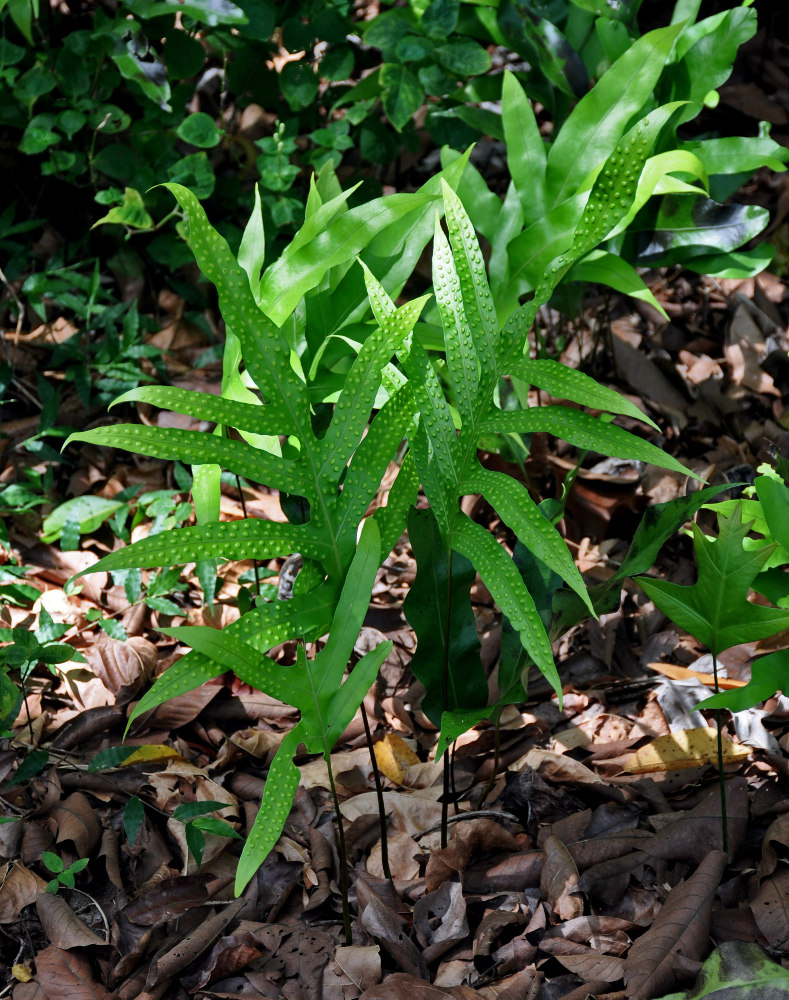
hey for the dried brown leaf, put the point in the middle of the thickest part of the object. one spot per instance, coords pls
(76, 821)
(680, 932)
(188, 949)
(401, 986)
(770, 907)
(66, 975)
(559, 880)
(19, 887)
(61, 924)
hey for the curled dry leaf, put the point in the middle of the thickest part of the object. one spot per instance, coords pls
(680, 932)
(770, 907)
(61, 924)
(188, 949)
(19, 887)
(122, 667)
(76, 821)
(355, 969)
(440, 920)
(559, 880)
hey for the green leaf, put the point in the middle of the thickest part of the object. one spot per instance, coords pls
(53, 862)
(282, 781)
(504, 582)
(706, 51)
(568, 383)
(268, 418)
(131, 213)
(597, 123)
(211, 12)
(687, 226)
(133, 816)
(195, 842)
(88, 512)
(585, 432)
(440, 18)
(526, 153)
(299, 84)
(463, 56)
(774, 497)
(262, 627)
(516, 508)
(38, 135)
(457, 722)
(189, 810)
(401, 94)
(716, 609)
(438, 608)
(658, 524)
(110, 757)
(737, 969)
(197, 448)
(603, 268)
(768, 674)
(199, 129)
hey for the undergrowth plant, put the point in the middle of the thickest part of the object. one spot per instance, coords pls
(716, 609)
(327, 462)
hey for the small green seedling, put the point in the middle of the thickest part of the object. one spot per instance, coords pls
(63, 876)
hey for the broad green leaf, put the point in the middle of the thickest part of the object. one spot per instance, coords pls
(658, 524)
(402, 496)
(687, 226)
(736, 264)
(526, 154)
(263, 627)
(739, 154)
(476, 302)
(286, 281)
(268, 418)
(504, 582)
(769, 674)
(401, 93)
(455, 723)
(249, 539)
(265, 350)
(246, 662)
(716, 609)
(512, 503)
(132, 212)
(603, 268)
(372, 458)
(568, 383)
(282, 781)
(438, 608)
(87, 512)
(598, 121)
(774, 497)
(705, 51)
(199, 129)
(585, 432)
(196, 448)
(462, 361)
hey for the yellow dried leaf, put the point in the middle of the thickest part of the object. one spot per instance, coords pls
(681, 673)
(149, 753)
(393, 756)
(21, 972)
(684, 748)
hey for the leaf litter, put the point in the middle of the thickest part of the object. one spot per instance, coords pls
(595, 865)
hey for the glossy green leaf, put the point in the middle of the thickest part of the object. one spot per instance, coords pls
(603, 268)
(88, 512)
(774, 497)
(199, 129)
(526, 153)
(270, 418)
(585, 432)
(687, 226)
(512, 503)
(401, 93)
(769, 674)
(504, 582)
(568, 383)
(598, 121)
(250, 539)
(196, 448)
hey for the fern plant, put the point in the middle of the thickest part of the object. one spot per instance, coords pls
(478, 356)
